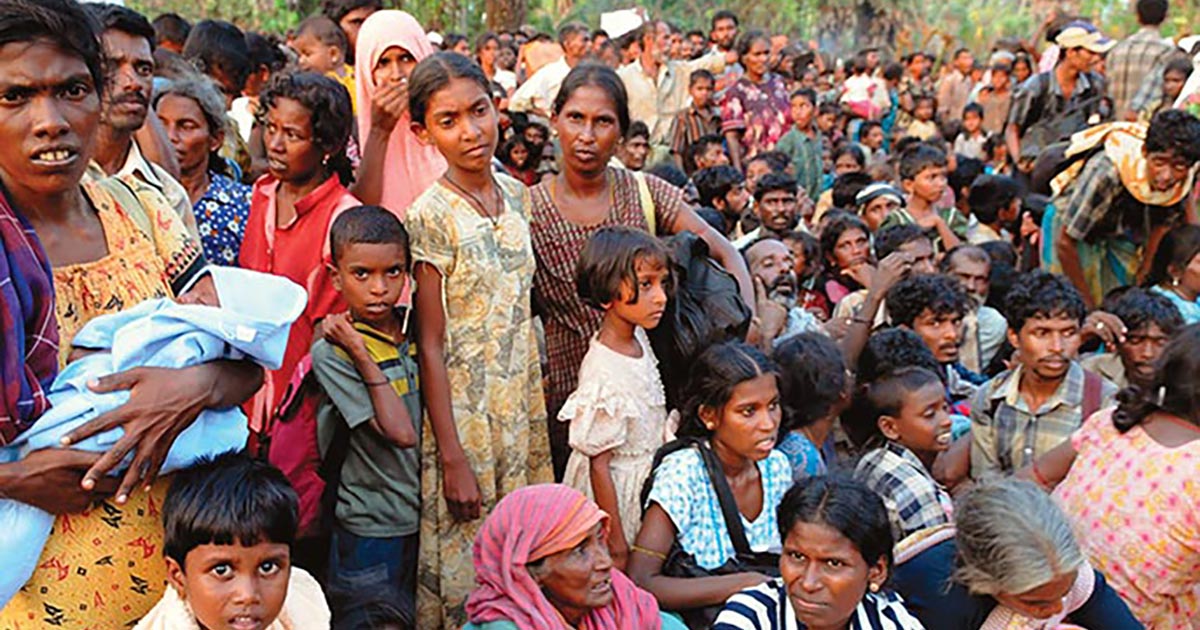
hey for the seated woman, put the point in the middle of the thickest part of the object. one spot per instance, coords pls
(1130, 489)
(732, 415)
(837, 553)
(541, 562)
(1013, 563)
(1175, 271)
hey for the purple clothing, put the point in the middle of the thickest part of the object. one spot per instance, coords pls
(760, 111)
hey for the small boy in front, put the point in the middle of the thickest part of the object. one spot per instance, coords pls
(923, 177)
(912, 425)
(366, 364)
(700, 119)
(230, 522)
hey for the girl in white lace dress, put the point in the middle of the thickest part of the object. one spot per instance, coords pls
(618, 414)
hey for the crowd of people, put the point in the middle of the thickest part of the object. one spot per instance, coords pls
(368, 326)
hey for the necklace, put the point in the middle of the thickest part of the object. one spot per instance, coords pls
(476, 201)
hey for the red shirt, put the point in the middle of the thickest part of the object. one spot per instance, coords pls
(297, 251)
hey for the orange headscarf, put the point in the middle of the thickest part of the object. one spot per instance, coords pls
(409, 167)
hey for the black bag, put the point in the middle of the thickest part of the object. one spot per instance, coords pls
(1056, 127)
(707, 308)
(681, 564)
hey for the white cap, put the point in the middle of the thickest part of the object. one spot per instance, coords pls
(618, 23)
(435, 38)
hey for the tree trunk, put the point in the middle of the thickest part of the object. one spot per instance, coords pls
(505, 15)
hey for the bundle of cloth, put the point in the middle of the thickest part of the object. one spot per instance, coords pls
(252, 323)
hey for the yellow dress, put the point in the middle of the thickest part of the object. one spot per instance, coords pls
(104, 568)
(495, 379)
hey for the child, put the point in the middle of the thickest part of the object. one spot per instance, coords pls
(321, 46)
(996, 99)
(618, 414)
(706, 152)
(803, 143)
(922, 125)
(700, 119)
(995, 153)
(912, 426)
(366, 365)
(969, 142)
(1175, 75)
(517, 158)
(923, 177)
(806, 259)
(230, 524)
(871, 138)
(813, 388)
(479, 358)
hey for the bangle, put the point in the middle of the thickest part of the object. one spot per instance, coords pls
(860, 320)
(377, 384)
(1037, 476)
(648, 552)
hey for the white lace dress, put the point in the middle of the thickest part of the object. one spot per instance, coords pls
(619, 406)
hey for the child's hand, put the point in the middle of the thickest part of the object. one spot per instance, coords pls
(203, 293)
(389, 105)
(337, 330)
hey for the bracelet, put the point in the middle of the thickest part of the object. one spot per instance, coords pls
(378, 384)
(648, 552)
(1037, 476)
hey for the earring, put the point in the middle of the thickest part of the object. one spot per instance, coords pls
(874, 587)
(1175, 282)
(1162, 394)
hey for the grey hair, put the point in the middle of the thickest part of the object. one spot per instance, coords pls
(1012, 538)
(204, 92)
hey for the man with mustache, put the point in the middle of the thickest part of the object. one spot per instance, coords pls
(1023, 413)
(983, 326)
(777, 203)
(1150, 321)
(776, 289)
(128, 41)
(933, 306)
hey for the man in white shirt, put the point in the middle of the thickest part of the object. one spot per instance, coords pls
(657, 86)
(536, 95)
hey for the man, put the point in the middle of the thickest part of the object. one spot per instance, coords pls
(1066, 99)
(955, 87)
(635, 147)
(128, 40)
(723, 188)
(350, 15)
(773, 271)
(1138, 59)
(983, 326)
(1150, 321)
(775, 201)
(1111, 217)
(170, 32)
(933, 306)
(658, 86)
(1023, 413)
(995, 202)
(723, 36)
(868, 305)
(536, 95)
(706, 152)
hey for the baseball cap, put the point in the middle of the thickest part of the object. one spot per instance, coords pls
(1080, 34)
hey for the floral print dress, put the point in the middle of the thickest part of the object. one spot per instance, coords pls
(760, 111)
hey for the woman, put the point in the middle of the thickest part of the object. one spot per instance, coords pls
(591, 115)
(846, 243)
(396, 167)
(71, 252)
(541, 563)
(1012, 563)
(1129, 490)
(1022, 69)
(755, 112)
(837, 553)
(487, 51)
(192, 114)
(732, 414)
(1175, 271)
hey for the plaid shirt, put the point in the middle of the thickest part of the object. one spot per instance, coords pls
(1097, 206)
(1007, 435)
(913, 499)
(1135, 61)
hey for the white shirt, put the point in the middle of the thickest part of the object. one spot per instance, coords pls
(656, 100)
(541, 88)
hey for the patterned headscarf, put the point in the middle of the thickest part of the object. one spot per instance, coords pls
(28, 330)
(530, 524)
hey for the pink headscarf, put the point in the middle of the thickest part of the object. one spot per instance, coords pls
(410, 167)
(530, 524)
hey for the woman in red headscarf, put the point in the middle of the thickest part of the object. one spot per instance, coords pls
(542, 563)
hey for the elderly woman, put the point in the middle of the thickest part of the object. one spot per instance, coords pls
(72, 252)
(542, 563)
(837, 553)
(193, 115)
(1013, 563)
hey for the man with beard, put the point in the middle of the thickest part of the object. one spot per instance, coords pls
(777, 204)
(129, 51)
(1023, 413)
(933, 306)
(983, 326)
(776, 288)
(1150, 321)
(658, 85)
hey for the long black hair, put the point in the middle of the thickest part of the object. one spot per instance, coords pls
(603, 77)
(1177, 249)
(844, 504)
(1174, 389)
(328, 103)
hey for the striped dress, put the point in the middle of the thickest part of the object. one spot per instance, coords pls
(759, 608)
